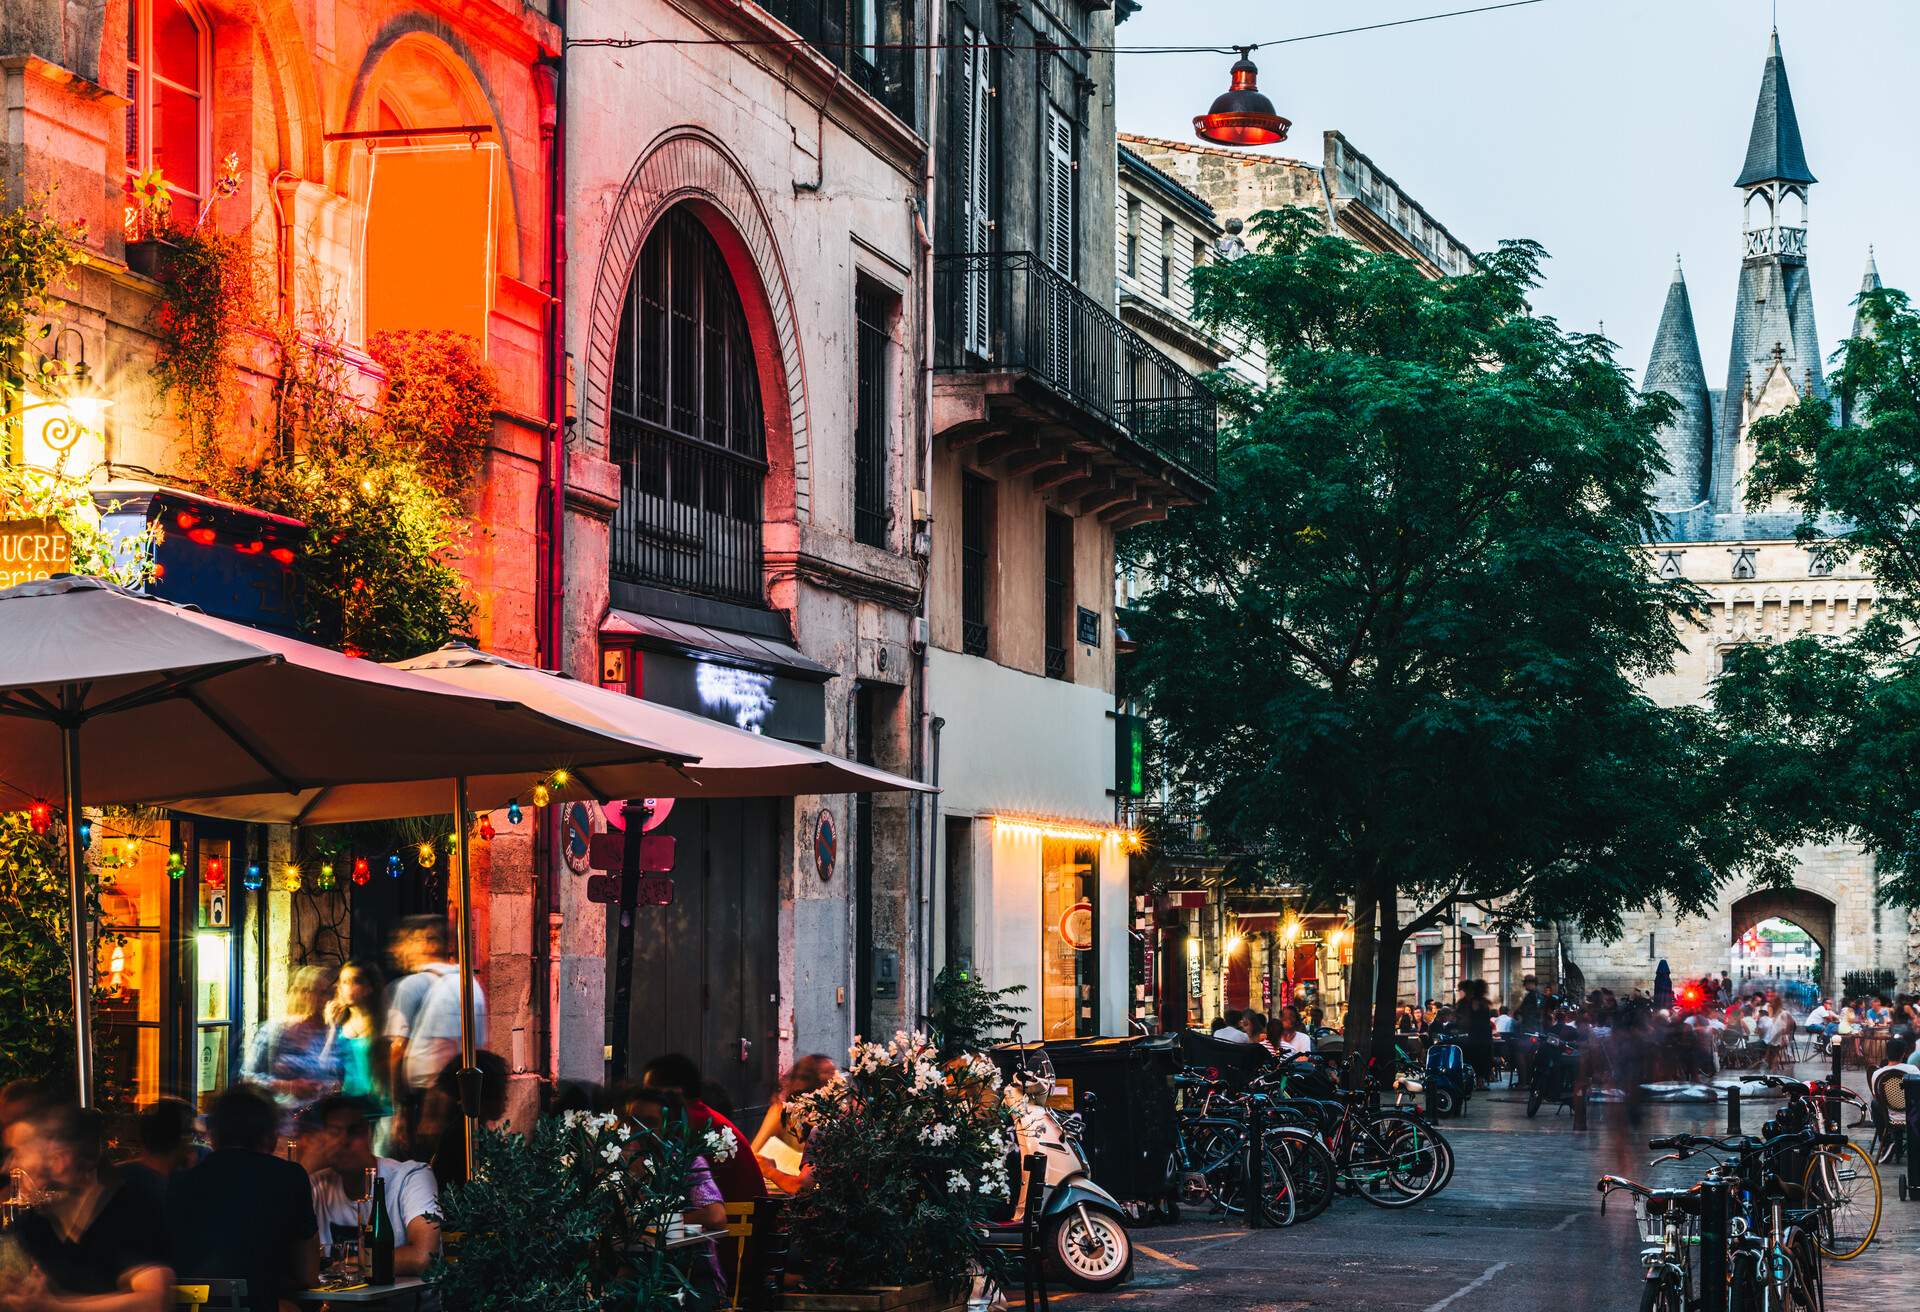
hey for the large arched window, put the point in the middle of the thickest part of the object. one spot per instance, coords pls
(167, 80)
(686, 427)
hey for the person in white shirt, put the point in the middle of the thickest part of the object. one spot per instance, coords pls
(1229, 1031)
(1823, 1018)
(1285, 1037)
(1502, 1022)
(336, 1147)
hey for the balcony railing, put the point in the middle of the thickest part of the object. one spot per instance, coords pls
(880, 62)
(689, 514)
(1011, 311)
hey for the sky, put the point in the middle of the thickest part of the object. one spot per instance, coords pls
(1610, 131)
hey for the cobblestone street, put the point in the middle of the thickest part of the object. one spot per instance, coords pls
(1518, 1230)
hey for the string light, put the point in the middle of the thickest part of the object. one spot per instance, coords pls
(425, 855)
(561, 778)
(326, 880)
(254, 877)
(40, 816)
(362, 872)
(216, 875)
(292, 875)
(176, 865)
(86, 834)
(393, 865)
(541, 795)
(1041, 829)
(133, 848)
(486, 831)
(513, 813)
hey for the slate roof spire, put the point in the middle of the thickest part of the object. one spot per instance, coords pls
(1774, 152)
(1675, 368)
(1869, 282)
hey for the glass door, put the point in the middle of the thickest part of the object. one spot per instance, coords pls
(213, 970)
(132, 958)
(1069, 957)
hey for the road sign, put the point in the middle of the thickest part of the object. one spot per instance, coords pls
(606, 852)
(650, 890)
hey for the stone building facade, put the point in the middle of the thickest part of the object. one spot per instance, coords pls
(1760, 584)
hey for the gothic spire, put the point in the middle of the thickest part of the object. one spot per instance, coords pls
(1774, 152)
(1869, 282)
(1675, 368)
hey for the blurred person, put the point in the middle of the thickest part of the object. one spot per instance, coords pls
(780, 1165)
(95, 1236)
(19, 1099)
(423, 1022)
(658, 1109)
(1228, 1028)
(357, 1015)
(242, 1213)
(336, 1146)
(1822, 1019)
(443, 1131)
(1285, 1037)
(739, 1177)
(291, 1056)
(1253, 1025)
(165, 1128)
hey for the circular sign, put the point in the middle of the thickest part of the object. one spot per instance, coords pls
(1076, 926)
(578, 824)
(826, 844)
(658, 808)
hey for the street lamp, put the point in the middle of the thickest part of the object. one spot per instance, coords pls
(83, 406)
(1241, 115)
(1289, 931)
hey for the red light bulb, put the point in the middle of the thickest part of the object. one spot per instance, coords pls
(216, 872)
(40, 816)
(362, 872)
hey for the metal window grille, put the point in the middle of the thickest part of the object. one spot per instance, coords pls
(687, 430)
(1059, 590)
(872, 307)
(975, 546)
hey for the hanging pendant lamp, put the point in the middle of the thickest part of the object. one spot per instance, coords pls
(1241, 115)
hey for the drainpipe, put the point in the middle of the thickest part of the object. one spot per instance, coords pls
(930, 724)
(550, 591)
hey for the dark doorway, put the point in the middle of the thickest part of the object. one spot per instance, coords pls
(959, 900)
(864, 716)
(706, 967)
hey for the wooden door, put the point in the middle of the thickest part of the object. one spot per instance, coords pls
(706, 966)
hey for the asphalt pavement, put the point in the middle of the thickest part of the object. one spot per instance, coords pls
(1518, 1230)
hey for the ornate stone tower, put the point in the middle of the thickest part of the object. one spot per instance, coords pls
(1675, 368)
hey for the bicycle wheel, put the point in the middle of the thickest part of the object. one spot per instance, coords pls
(1661, 1296)
(1311, 1167)
(1393, 1169)
(1409, 1141)
(1845, 1186)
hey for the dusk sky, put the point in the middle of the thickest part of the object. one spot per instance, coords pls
(1608, 130)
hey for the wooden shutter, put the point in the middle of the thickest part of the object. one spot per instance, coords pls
(976, 199)
(1056, 246)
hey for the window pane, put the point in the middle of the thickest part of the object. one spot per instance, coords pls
(176, 137)
(176, 44)
(130, 978)
(1069, 957)
(211, 1079)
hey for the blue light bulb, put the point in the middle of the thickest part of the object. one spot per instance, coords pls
(254, 878)
(86, 834)
(393, 866)
(513, 813)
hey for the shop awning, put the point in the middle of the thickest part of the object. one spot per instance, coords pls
(691, 639)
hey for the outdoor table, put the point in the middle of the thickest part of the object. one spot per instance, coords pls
(402, 1295)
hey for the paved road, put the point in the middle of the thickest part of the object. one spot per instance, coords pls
(1518, 1230)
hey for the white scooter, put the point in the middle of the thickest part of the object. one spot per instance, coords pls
(1083, 1226)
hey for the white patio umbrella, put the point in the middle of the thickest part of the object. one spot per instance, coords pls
(107, 696)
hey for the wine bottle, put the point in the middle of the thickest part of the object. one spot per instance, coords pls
(382, 1272)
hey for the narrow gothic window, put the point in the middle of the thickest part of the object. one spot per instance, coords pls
(1743, 563)
(1819, 563)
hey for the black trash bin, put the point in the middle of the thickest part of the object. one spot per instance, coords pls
(1233, 1064)
(1123, 1090)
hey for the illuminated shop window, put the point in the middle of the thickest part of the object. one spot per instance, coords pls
(1069, 955)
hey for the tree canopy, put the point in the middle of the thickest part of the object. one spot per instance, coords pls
(1398, 655)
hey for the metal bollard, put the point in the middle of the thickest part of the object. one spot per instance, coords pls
(1911, 1189)
(1714, 1213)
(1256, 1201)
(1733, 1109)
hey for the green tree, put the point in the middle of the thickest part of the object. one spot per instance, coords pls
(1397, 656)
(1829, 728)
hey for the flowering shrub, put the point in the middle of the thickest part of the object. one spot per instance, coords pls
(558, 1220)
(906, 1158)
(440, 401)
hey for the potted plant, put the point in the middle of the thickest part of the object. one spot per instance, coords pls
(561, 1219)
(152, 235)
(906, 1158)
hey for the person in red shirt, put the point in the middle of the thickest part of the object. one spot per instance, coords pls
(738, 1177)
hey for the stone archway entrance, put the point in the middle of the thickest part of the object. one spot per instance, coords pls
(1809, 911)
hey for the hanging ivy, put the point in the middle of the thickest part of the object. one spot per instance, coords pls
(37, 253)
(206, 297)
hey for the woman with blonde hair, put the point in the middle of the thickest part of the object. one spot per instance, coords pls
(780, 1141)
(292, 1056)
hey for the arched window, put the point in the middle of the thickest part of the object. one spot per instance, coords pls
(686, 426)
(168, 74)
(1759, 211)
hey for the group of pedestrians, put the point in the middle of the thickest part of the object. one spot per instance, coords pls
(1284, 1034)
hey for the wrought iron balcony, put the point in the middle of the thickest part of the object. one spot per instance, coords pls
(873, 41)
(1010, 311)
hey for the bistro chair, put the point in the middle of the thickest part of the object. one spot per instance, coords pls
(759, 1241)
(210, 1294)
(1887, 1100)
(1020, 1240)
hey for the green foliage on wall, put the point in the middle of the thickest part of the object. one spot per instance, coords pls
(206, 297)
(36, 1008)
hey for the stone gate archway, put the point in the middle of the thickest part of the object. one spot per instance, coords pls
(1809, 911)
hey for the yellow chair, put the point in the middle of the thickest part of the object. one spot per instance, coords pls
(740, 1218)
(210, 1295)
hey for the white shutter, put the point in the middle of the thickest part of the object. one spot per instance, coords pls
(1056, 245)
(976, 192)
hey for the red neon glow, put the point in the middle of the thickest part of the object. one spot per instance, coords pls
(216, 872)
(252, 548)
(203, 535)
(40, 816)
(186, 519)
(282, 554)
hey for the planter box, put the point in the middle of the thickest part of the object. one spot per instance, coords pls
(149, 257)
(926, 1297)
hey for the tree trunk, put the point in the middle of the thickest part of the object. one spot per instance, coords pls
(1386, 992)
(1360, 986)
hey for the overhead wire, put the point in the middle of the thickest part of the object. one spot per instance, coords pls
(634, 43)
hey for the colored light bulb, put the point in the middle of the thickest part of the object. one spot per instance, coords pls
(326, 877)
(254, 877)
(362, 872)
(425, 854)
(216, 872)
(40, 816)
(393, 865)
(132, 845)
(561, 778)
(86, 834)
(513, 813)
(486, 831)
(541, 795)
(292, 878)
(176, 865)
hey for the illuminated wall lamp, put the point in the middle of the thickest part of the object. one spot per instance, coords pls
(84, 406)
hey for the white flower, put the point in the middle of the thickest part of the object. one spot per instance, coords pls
(625, 1132)
(611, 1152)
(958, 1183)
(720, 1145)
(566, 1160)
(937, 1134)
